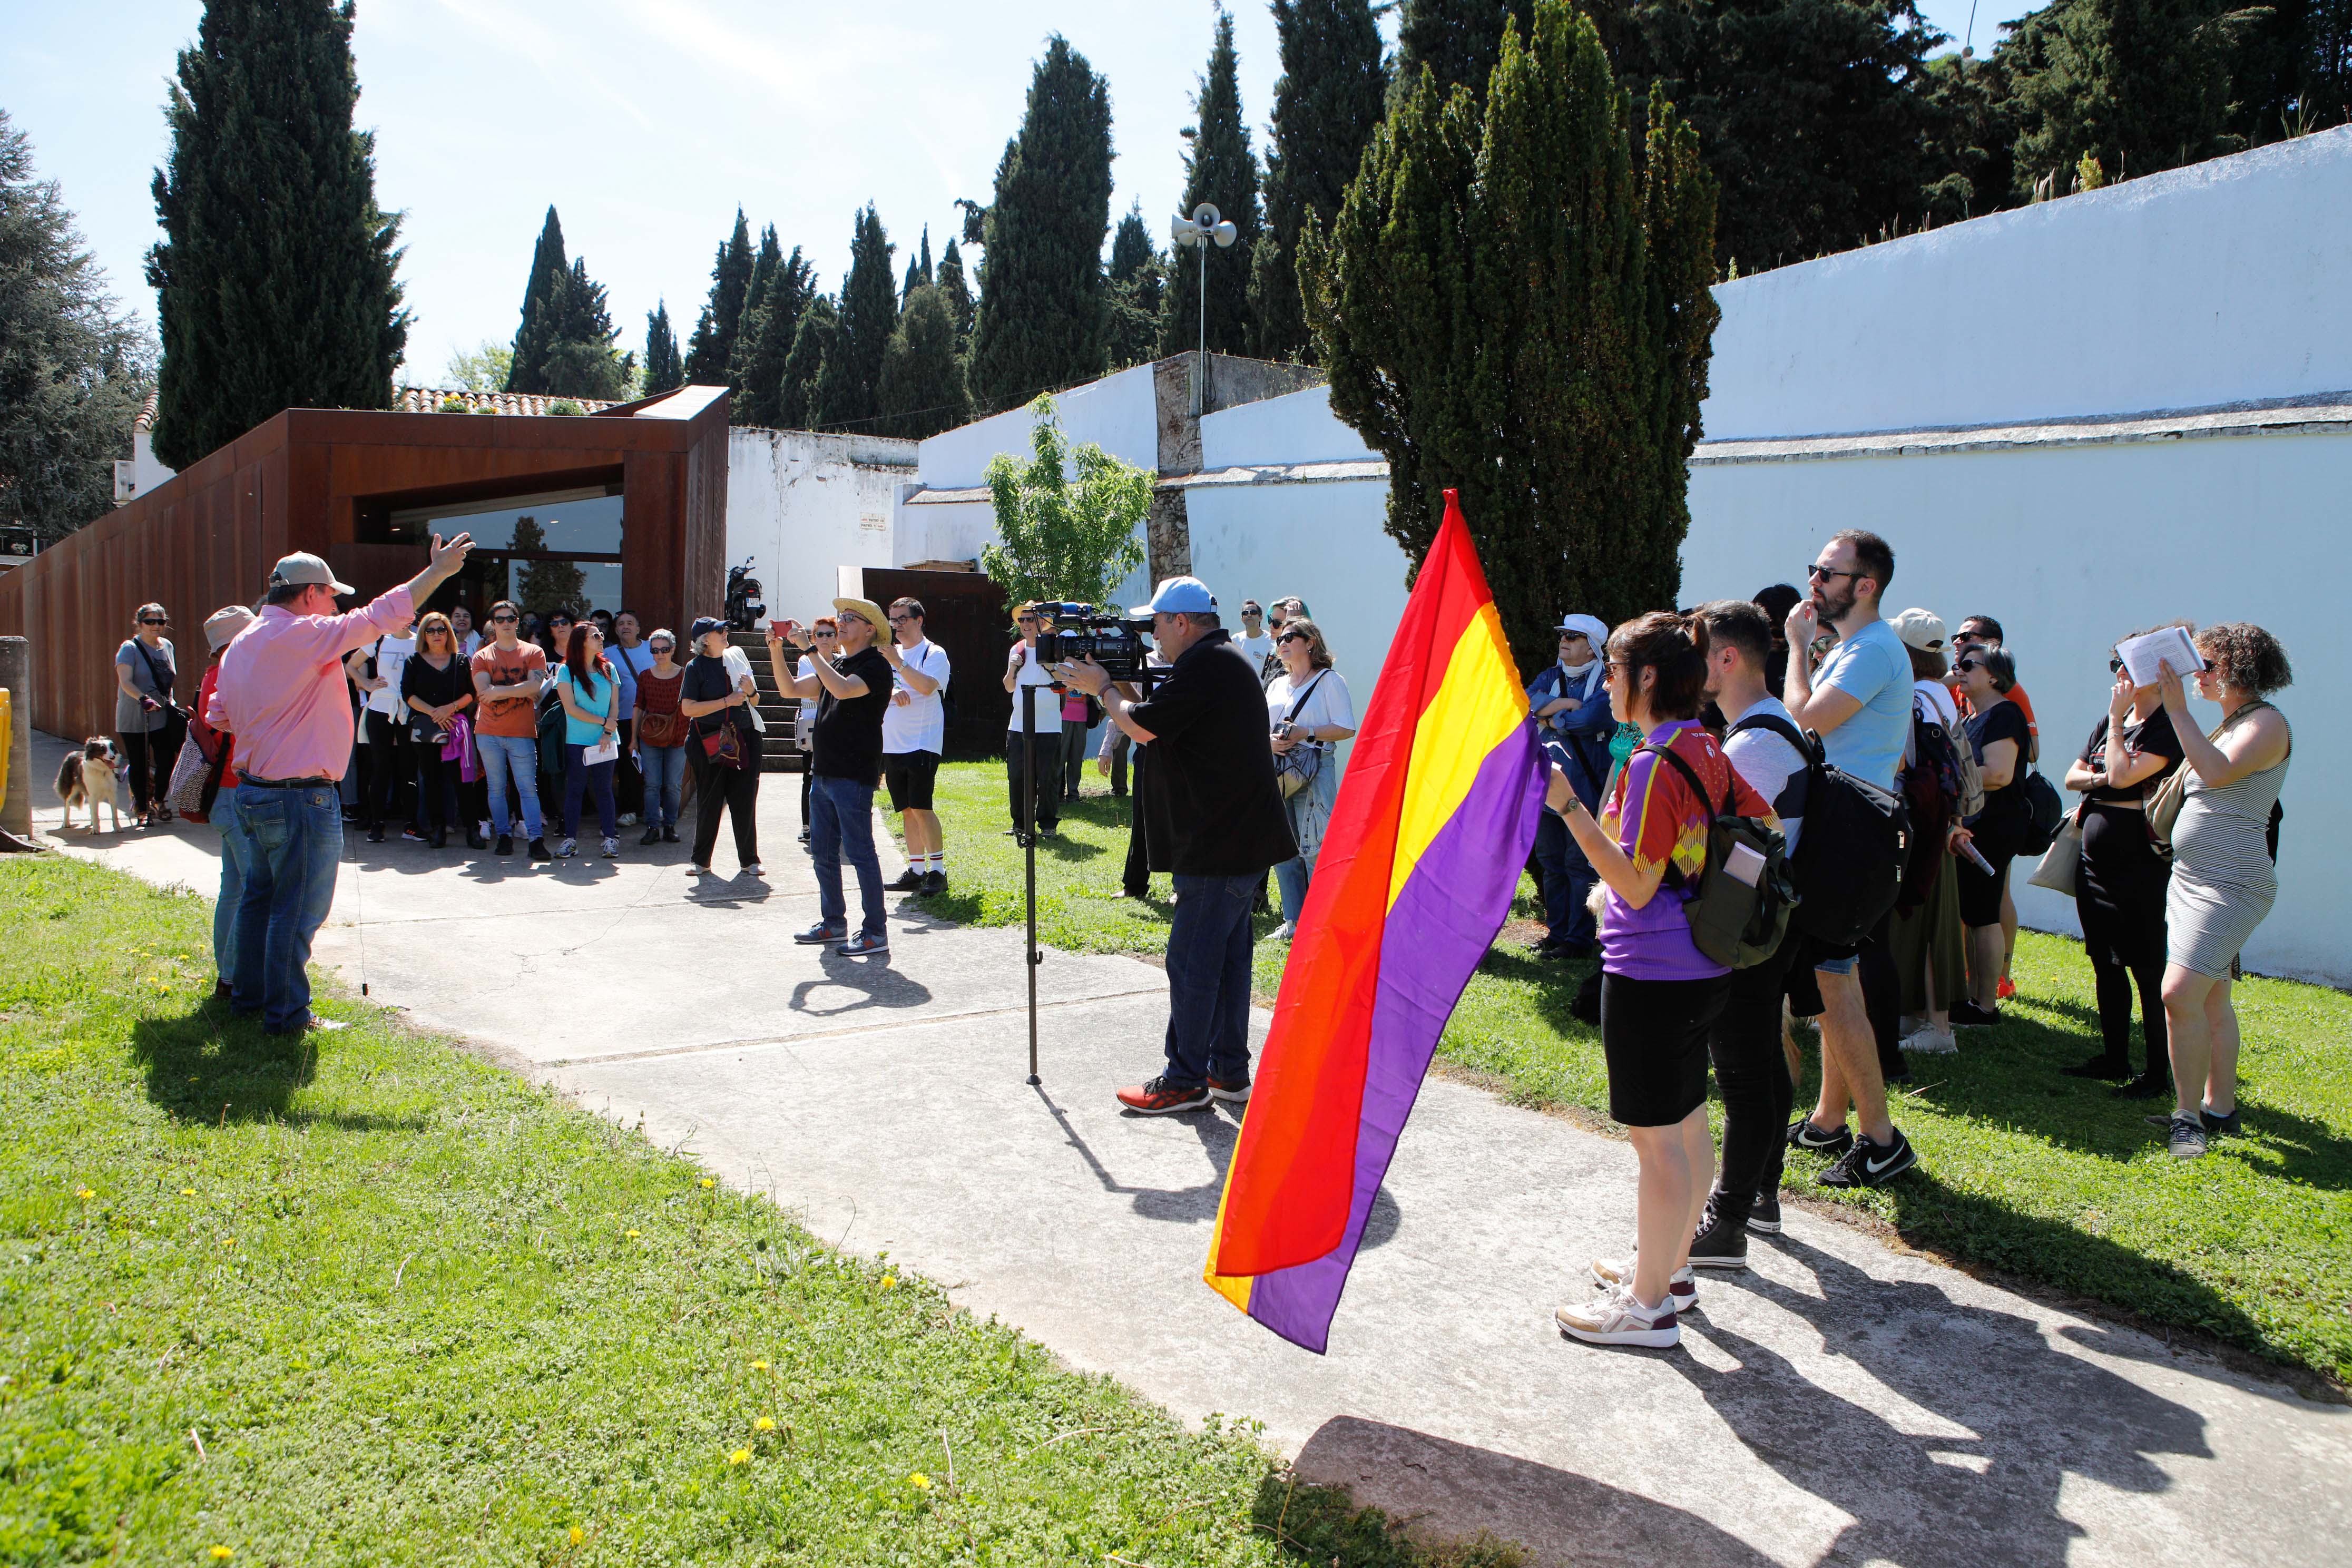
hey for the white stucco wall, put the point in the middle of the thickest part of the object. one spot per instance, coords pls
(1117, 414)
(2221, 283)
(804, 506)
(1298, 428)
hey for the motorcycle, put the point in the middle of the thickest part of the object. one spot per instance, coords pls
(744, 605)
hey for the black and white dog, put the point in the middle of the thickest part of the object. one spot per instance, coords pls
(89, 777)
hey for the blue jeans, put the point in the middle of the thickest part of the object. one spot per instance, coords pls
(583, 778)
(841, 826)
(1209, 980)
(232, 888)
(520, 755)
(665, 771)
(1568, 880)
(291, 840)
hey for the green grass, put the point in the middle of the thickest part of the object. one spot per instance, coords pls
(381, 1302)
(2041, 1177)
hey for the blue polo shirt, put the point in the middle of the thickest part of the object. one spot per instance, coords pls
(1873, 667)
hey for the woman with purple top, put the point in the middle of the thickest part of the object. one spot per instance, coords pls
(1659, 994)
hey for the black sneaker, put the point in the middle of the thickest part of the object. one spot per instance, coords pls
(375, 834)
(669, 835)
(2154, 1085)
(506, 843)
(2220, 1126)
(1764, 1218)
(2184, 1138)
(1803, 1134)
(653, 836)
(934, 884)
(1867, 1164)
(539, 850)
(906, 881)
(1968, 1015)
(1719, 1243)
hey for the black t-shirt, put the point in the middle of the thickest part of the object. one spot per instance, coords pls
(706, 681)
(846, 739)
(2005, 808)
(1213, 809)
(2154, 737)
(437, 687)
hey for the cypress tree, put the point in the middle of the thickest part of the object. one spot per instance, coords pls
(922, 387)
(1324, 106)
(918, 270)
(1219, 167)
(665, 368)
(869, 311)
(1512, 304)
(1457, 41)
(796, 395)
(766, 348)
(956, 292)
(274, 278)
(548, 267)
(578, 360)
(711, 350)
(1137, 275)
(1039, 321)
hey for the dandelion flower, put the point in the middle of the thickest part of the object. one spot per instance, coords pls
(706, 1182)
(763, 1425)
(223, 1554)
(920, 1481)
(187, 1191)
(84, 1193)
(576, 1535)
(889, 1282)
(759, 1366)
(739, 1457)
(635, 1234)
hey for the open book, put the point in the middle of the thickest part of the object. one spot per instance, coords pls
(2168, 645)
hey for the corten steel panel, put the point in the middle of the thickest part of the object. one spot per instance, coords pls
(965, 614)
(208, 537)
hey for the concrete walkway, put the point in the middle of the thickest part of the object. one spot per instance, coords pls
(1839, 1403)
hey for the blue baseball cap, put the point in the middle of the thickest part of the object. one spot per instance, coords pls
(704, 625)
(1178, 596)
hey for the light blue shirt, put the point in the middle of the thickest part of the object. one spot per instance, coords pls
(1872, 668)
(576, 733)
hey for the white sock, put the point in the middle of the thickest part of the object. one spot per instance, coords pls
(937, 860)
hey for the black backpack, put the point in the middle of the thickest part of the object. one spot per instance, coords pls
(1736, 920)
(1848, 866)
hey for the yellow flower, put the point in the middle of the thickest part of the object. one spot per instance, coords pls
(759, 1366)
(223, 1554)
(635, 1234)
(84, 1193)
(920, 1481)
(739, 1457)
(706, 1182)
(187, 1191)
(763, 1425)
(576, 1535)
(889, 1282)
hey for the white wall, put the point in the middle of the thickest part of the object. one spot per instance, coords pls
(2221, 283)
(803, 506)
(1117, 414)
(1298, 428)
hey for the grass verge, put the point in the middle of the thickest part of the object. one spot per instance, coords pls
(2039, 1176)
(380, 1302)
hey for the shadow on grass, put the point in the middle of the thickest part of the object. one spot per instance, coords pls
(209, 1068)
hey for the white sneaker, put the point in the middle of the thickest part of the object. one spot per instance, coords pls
(1615, 1318)
(629, 819)
(1682, 1286)
(610, 848)
(753, 870)
(1283, 932)
(568, 848)
(1924, 1039)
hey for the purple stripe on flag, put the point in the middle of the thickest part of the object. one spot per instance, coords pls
(1440, 925)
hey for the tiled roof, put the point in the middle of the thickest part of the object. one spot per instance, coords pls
(146, 420)
(428, 400)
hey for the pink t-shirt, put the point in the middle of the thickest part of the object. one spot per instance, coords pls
(281, 690)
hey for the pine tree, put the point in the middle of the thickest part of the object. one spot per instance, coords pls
(1457, 41)
(274, 278)
(1324, 106)
(1137, 275)
(549, 264)
(1513, 304)
(766, 345)
(956, 292)
(711, 350)
(74, 365)
(1219, 168)
(922, 387)
(869, 311)
(1041, 319)
(918, 270)
(665, 370)
(812, 342)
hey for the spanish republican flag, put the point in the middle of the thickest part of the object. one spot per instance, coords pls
(1418, 866)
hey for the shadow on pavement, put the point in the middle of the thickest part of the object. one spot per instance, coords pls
(873, 981)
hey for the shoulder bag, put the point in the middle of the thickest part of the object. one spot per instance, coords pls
(1296, 768)
(2064, 859)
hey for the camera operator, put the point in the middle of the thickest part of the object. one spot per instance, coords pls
(852, 696)
(1214, 817)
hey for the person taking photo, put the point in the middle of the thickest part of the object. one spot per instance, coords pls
(853, 694)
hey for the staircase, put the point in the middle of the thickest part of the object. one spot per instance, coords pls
(777, 708)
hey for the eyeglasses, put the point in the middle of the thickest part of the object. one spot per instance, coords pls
(902, 620)
(1822, 573)
(1293, 636)
(661, 647)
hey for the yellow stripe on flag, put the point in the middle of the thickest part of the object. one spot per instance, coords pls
(1477, 706)
(1234, 1287)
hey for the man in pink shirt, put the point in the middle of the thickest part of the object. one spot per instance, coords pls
(281, 694)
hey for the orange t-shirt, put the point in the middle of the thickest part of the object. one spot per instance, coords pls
(515, 716)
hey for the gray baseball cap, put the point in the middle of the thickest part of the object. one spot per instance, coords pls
(304, 567)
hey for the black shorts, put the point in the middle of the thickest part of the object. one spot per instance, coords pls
(1654, 1033)
(1980, 892)
(910, 775)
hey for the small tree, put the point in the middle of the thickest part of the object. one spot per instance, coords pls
(1065, 537)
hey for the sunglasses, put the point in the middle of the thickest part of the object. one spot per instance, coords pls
(1822, 573)
(1293, 636)
(1965, 664)
(661, 647)
(152, 621)
(502, 620)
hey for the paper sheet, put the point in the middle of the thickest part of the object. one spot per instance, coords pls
(2167, 645)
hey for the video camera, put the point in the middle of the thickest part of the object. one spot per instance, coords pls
(1110, 637)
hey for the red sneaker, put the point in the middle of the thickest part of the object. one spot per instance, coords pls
(1161, 1097)
(2006, 989)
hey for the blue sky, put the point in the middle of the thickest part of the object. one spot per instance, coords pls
(646, 123)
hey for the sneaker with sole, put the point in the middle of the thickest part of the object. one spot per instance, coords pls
(669, 835)
(1682, 1286)
(567, 848)
(410, 836)
(1868, 1164)
(934, 884)
(652, 837)
(1927, 1042)
(539, 850)
(1764, 1219)
(1615, 1318)
(1231, 1093)
(1283, 932)
(1160, 1097)
(610, 848)
(906, 881)
(506, 843)
(1803, 1134)
(753, 871)
(2184, 1138)
(820, 933)
(1967, 1015)
(2220, 1126)
(1719, 1243)
(862, 946)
